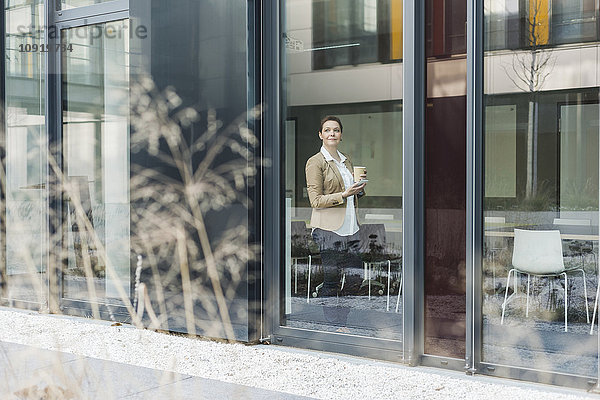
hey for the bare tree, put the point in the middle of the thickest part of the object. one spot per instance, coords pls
(529, 71)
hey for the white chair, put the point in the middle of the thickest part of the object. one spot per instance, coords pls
(539, 253)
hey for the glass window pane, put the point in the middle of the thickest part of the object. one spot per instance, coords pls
(341, 277)
(352, 33)
(26, 191)
(445, 22)
(541, 129)
(96, 153)
(549, 22)
(502, 24)
(180, 95)
(445, 179)
(574, 21)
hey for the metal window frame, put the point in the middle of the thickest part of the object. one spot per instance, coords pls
(97, 13)
(413, 78)
(474, 212)
(24, 304)
(413, 120)
(475, 193)
(54, 75)
(274, 92)
(84, 12)
(254, 82)
(3, 285)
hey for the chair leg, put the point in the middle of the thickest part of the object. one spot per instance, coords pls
(369, 278)
(317, 288)
(308, 284)
(387, 308)
(595, 308)
(493, 271)
(399, 292)
(296, 275)
(566, 305)
(506, 295)
(587, 310)
(527, 302)
(597, 293)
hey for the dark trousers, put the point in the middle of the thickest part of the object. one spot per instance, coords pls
(337, 254)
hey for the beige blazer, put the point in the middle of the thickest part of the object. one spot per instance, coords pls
(325, 185)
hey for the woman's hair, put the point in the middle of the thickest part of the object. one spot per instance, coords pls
(331, 118)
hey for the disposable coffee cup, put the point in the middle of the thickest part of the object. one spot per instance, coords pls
(358, 171)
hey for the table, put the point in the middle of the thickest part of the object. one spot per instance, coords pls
(571, 236)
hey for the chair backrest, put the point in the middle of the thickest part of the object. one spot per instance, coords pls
(495, 220)
(572, 221)
(300, 237)
(298, 228)
(538, 252)
(372, 238)
(388, 217)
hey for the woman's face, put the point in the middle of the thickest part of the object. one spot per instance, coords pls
(331, 134)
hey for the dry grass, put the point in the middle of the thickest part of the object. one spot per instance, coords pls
(186, 166)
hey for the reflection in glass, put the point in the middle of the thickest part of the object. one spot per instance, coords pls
(541, 128)
(502, 24)
(574, 21)
(66, 4)
(445, 179)
(26, 192)
(368, 100)
(96, 153)
(507, 22)
(356, 32)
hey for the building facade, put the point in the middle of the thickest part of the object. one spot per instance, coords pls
(154, 172)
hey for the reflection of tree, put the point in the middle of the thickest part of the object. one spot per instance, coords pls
(194, 267)
(528, 71)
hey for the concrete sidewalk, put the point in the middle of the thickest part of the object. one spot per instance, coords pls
(30, 372)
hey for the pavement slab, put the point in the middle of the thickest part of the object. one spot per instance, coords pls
(28, 372)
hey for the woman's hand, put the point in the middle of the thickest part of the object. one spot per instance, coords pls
(353, 190)
(356, 188)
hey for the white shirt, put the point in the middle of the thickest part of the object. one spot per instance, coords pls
(350, 225)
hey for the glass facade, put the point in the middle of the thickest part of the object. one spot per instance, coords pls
(95, 140)
(190, 141)
(541, 175)
(192, 166)
(445, 178)
(509, 22)
(356, 289)
(25, 204)
(144, 151)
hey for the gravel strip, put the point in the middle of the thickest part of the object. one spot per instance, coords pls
(305, 373)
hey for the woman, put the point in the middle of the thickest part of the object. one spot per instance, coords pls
(333, 197)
